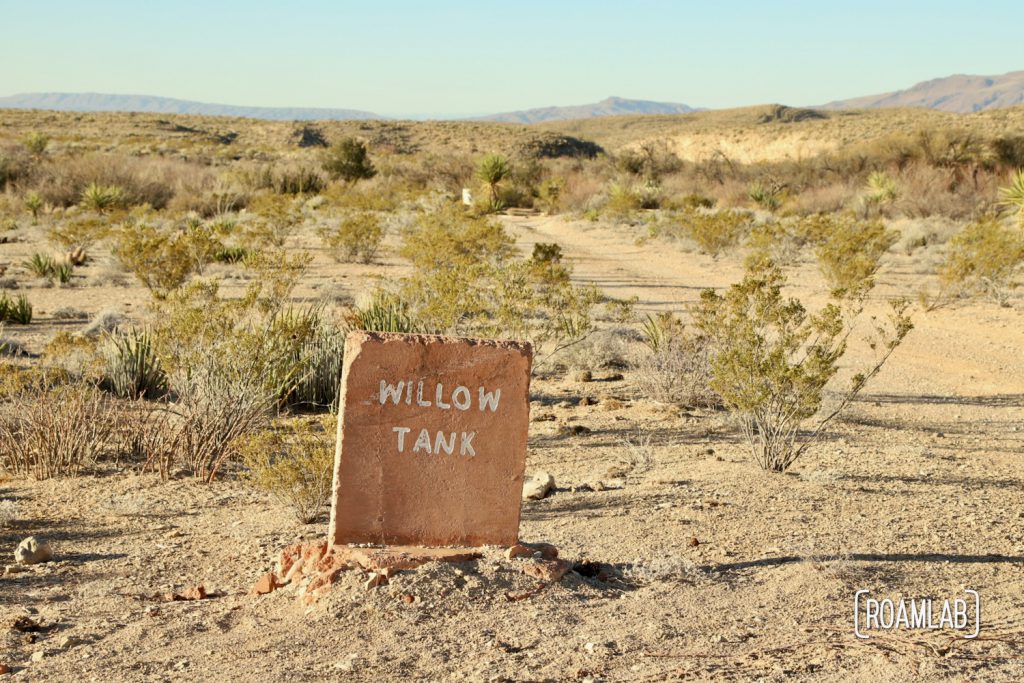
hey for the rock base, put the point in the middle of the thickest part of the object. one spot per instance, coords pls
(314, 566)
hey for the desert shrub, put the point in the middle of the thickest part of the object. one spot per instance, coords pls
(985, 258)
(160, 259)
(17, 310)
(467, 280)
(14, 167)
(55, 430)
(713, 231)
(1008, 151)
(296, 468)
(651, 159)
(151, 433)
(102, 198)
(36, 143)
(79, 233)
(131, 366)
(258, 330)
(849, 251)
(678, 368)
(778, 241)
(277, 218)
(355, 238)
(771, 360)
(690, 201)
(138, 182)
(348, 160)
(219, 403)
(300, 180)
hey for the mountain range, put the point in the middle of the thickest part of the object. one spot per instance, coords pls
(62, 101)
(958, 93)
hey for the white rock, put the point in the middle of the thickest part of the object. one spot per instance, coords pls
(33, 550)
(537, 485)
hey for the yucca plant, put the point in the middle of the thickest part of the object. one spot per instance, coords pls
(18, 311)
(880, 189)
(42, 265)
(102, 198)
(63, 272)
(1012, 197)
(34, 204)
(132, 368)
(493, 169)
(384, 313)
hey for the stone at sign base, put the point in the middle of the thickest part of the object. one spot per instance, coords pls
(431, 441)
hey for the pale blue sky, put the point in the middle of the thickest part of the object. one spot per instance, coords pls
(479, 57)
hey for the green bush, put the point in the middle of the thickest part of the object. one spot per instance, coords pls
(771, 360)
(298, 181)
(985, 258)
(355, 238)
(296, 467)
(849, 251)
(348, 160)
(161, 260)
(712, 231)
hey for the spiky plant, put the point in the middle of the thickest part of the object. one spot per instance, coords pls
(34, 204)
(1012, 197)
(41, 265)
(493, 169)
(132, 368)
(102, 198)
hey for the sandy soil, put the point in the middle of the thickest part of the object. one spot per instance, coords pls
(721, 571)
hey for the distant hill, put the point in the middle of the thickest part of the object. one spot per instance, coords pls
(57, 101)
(612, 106)
(959, 94)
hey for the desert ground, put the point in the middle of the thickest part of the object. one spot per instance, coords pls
(712, 569)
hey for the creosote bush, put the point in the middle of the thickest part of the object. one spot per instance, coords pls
(712, 231)
(468, 280)
(771, 360)
(355, 238)
(984, 259)
(849, 251)
(294, 465)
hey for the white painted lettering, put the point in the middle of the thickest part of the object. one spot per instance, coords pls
(466, 444)
(401, 431)
(489, 399)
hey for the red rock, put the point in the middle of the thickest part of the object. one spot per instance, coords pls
(4, 669)
(545, 551)
(694, 542)
(431, 440)
(267, 583)
(546, 570)
(408, 598)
